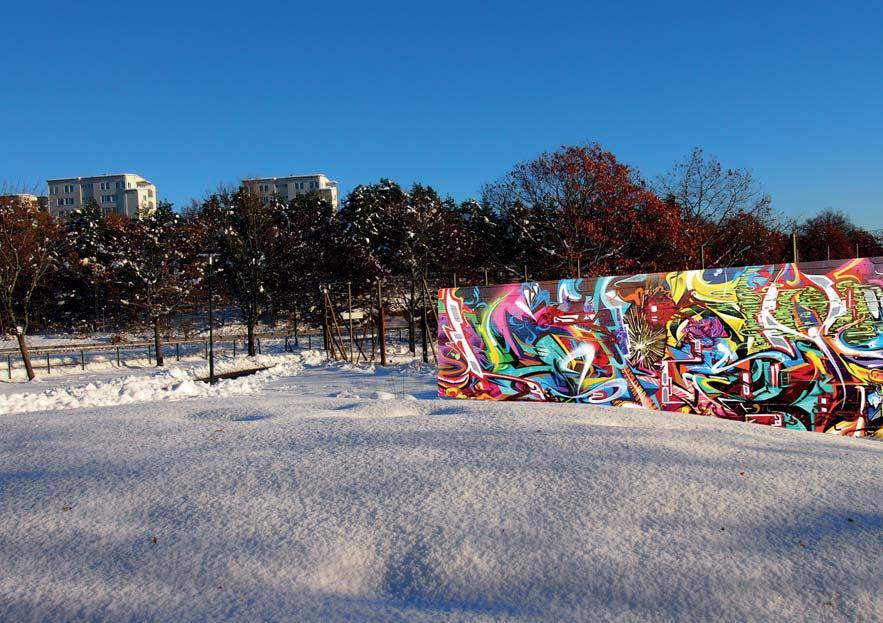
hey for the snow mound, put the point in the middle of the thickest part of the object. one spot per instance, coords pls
(165, 384)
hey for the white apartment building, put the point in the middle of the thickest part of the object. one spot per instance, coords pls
(125, 194)
(287, 187)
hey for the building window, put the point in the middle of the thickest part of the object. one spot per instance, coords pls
(104, 185)
(281, 187)
(59, 202)
(68, 188)
(69, 201)
(87, 185)
(108, 199)
(149, 193)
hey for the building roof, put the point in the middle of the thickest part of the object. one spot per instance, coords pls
(281, 177)
(85, 177)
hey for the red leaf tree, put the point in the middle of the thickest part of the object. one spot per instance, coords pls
(580, 207)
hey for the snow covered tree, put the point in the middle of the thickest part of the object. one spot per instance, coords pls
(30, 243)
(372, 217)
(477, 239)
(407, 233)
(248, 234)
(154, 262)
(82, 284)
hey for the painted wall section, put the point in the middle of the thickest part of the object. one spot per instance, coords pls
(791, 345)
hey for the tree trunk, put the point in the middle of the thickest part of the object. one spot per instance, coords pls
(25, 354)
(157, 343)
(250, 324)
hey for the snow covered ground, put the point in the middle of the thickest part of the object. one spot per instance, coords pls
(317, 491)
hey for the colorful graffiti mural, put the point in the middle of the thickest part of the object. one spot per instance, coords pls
(791, 345)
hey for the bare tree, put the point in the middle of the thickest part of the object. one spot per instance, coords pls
(713, 201)
(30, 243)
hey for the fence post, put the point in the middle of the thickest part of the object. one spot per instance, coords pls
(286, 343)
(9, 365)
(177, 352)
(82, 360)
(259, 346)
(118, 356)
(309, 341)
(149, 355)
(48, 366)
(234, 348)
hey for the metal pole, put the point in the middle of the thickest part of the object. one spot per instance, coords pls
(211, 333)
(579, 268)
(9, 365)
(455, 280)
(486, 282)
(856, 250)
(525, 273)
(325, 322)
(702, 255)
(794, 247)
(82, 360)
(382, 322)
(424, 327)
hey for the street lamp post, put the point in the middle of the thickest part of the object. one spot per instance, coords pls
(211, 335)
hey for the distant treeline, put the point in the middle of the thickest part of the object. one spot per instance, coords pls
(575, 211)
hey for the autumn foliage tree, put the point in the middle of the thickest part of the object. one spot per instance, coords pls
(832, 235)
(580, 207)
(30, 245)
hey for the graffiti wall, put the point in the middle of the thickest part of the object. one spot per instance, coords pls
(793, 345)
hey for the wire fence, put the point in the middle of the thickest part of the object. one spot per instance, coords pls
(65, 358)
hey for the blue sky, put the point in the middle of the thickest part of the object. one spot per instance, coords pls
(193, 95)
